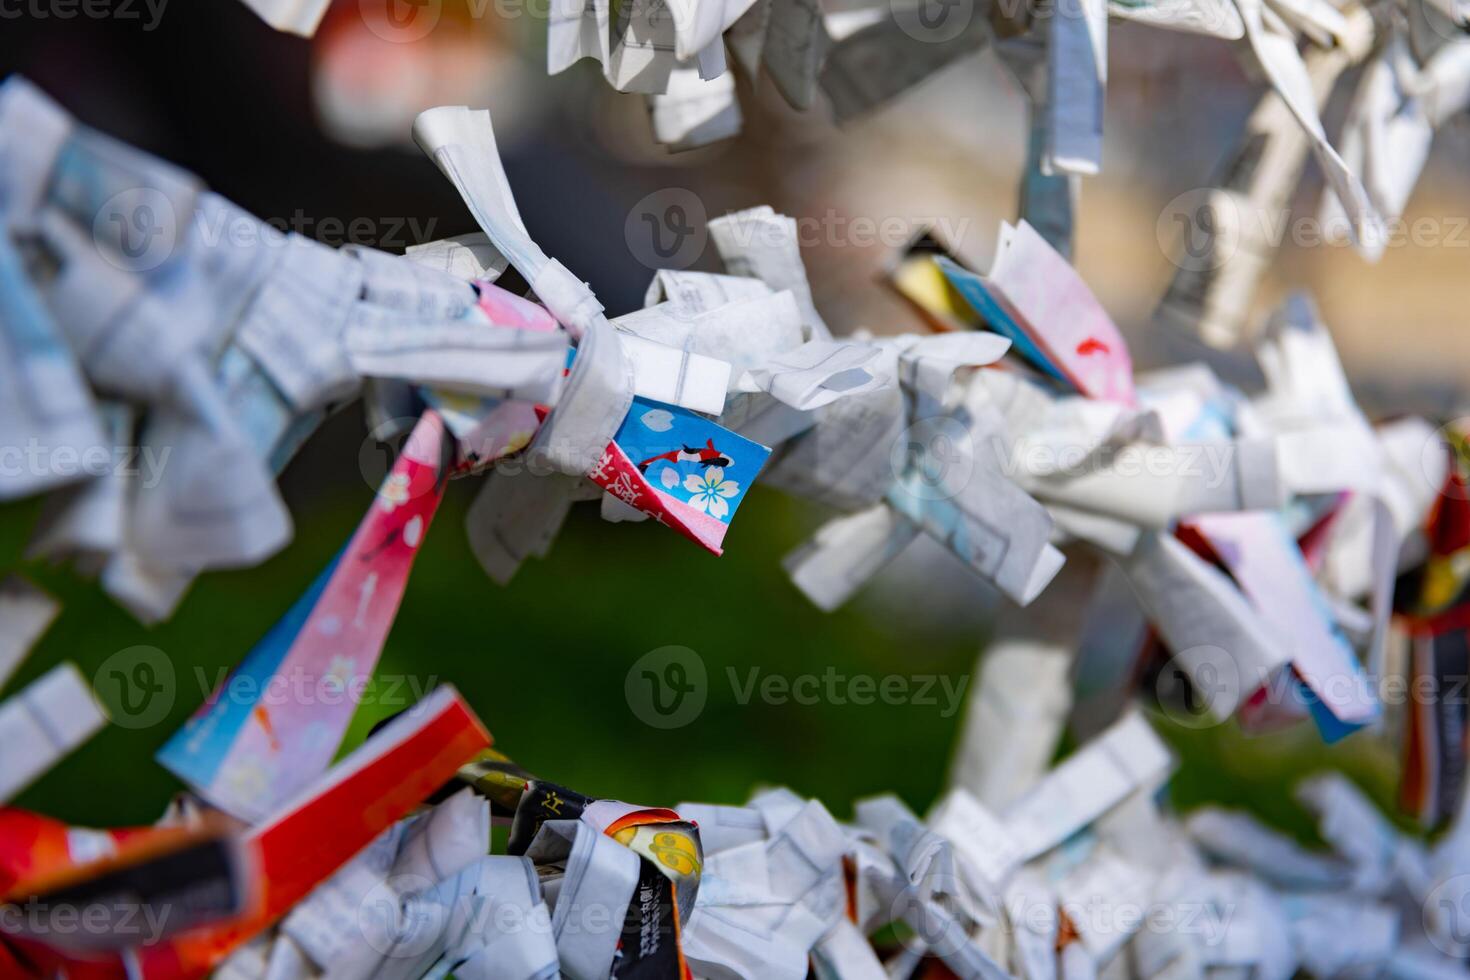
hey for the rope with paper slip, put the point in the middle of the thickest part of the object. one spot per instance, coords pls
(683, 55)
(1273, 527)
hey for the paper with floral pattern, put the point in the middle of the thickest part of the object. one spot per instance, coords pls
(681, 469)
(275, 723)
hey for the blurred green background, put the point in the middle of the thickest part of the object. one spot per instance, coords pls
(544, 662)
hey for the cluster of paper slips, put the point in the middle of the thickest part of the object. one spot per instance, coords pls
(1266, 557)
(382, 867)
(1415, 75)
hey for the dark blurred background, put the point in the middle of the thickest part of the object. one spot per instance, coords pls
(314, 135)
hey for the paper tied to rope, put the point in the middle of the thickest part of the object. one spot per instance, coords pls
(1305, 436)
(275, 724)
(733, 320)
(215, 505)
(339, 814)
(640, 46)
(939, 473)
(1035, 298)
(419, 895)
(1387, 134)
(597, 394)
(44, 395)
(123, 230)
(1275, 49)
(931, 896)
(674, 53)
(680, 469)
(1218, 237)
(760, 244)
(951, 478)
(637, 869)
(651, 357)
(147, 873)
(43, 723)
(772, 888)
(280, 329)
